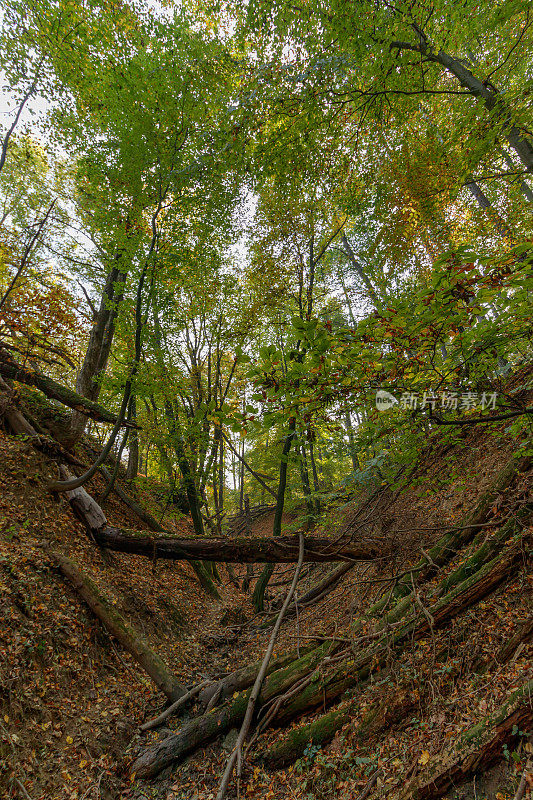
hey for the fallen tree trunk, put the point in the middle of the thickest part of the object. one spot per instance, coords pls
(283, 549)
(478, 748)
(378, 717)
(352, 672)
(243, 678)
(451, 542)
(90, 513)
(55, 391)
(207, 727)
(322, 689)
(116, 625)
(323, 729)
(437, 556)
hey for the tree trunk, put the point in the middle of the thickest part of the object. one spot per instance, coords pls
(479, 747)
(376, 719)
(243, 678)
(115, 624)
(87, 408)
(323, 687)
(282, 549)
(207, 727)
(524, 186)
(99, 346)
(351, 440)
(493, 102)
(133, 443)
(360, 271)
(258, 596)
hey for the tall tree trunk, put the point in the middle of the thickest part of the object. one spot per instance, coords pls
(351, 440)
(88, 382)
(133, 443)
(258, 597)
(304, 476)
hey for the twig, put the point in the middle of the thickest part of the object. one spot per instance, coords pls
(236, 756)
(370, 785)
(154, 723)
(21, 787)
(520, 792)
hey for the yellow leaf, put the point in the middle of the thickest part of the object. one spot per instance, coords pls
(424, 758)
(6, 718)
(69, 739)
(83, 763)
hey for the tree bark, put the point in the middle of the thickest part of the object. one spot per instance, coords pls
(321, 688)
(258, 596)
(479, 748)
(133, 443)
(54, 391)
(243, 678)
(207, 727)
(282, 549)
(115, 624)
(99, 345)
(379, 717)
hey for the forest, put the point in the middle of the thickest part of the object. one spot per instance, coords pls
(266, 399)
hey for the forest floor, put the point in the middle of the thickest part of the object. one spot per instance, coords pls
(72, 700)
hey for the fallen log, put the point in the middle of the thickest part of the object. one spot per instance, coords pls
(119, 628)
(478, 748)
(243, 678)
(207, 727)
(90, 513)
(55, 391)
(455, 539)
(319, 590)
(353, 672)
(321, 689)
(283, 549)
(324, 728)
(437, 556)
(378, 717)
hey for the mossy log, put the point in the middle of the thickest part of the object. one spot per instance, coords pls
(378, 717)
(478, 748)
(353, 671)
(441, 553)
(55, 391)
(325, 686)
(243, 678)
(454, 540)
(203, 729)
(106, 612)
